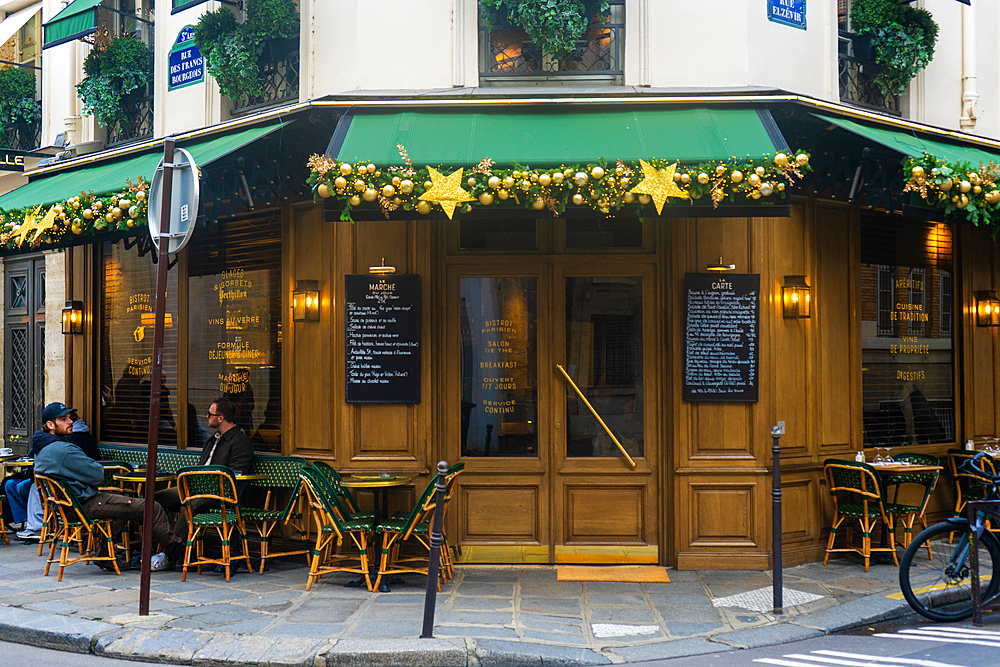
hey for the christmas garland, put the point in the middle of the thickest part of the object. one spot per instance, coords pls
(82, 215)
(958, 189)
(604, 188)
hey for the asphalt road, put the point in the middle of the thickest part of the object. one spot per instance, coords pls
(22, 654)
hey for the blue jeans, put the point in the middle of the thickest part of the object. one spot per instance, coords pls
(35, 512)
(17, 491)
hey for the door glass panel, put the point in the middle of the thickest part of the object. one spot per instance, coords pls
(499, 366)
(604, 358)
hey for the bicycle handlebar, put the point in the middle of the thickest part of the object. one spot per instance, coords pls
(991, 481)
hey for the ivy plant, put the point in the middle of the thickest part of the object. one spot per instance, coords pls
(903, 39)
(554, 25)
(232, 49)
(114, 76)
(17, 97)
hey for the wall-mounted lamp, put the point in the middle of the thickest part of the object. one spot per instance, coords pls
(720, 266)
(305, 301)
(382, 270)
(796, 299)
(149, 319)
(987, 308)
(72, 317)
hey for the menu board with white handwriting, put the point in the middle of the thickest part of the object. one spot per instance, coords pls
(383, 338)
(721, 336)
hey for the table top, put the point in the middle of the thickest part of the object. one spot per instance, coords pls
(137, 478)
(19, 464)
(376, 481)
(900, 469)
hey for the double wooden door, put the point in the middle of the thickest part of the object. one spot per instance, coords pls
(24, 348)
(547, 477)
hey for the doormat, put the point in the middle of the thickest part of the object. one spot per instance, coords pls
(632, 573)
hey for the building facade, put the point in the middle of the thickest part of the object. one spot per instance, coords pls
(558, 342)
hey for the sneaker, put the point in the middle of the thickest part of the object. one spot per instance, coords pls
(29, 535)
(135, 562)
(160, 562)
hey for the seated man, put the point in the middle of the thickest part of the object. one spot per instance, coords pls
(58, 458)
(230, 446)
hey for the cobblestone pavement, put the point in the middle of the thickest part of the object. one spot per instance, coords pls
(505, 615)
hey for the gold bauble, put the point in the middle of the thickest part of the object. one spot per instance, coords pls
(114, 202)
(87, 213)
(525, 185)
(406, 186)
(946, 185)
(781, 159)
(77, 221)
(109, 217)
(345, 169)
(766, 189)
(362, 169)
(976, 189)
(544, 180)
(141, 195)
(538, 203)
(503, 194)
(567, 173)
(124, 203)
(340, 183)
(594, 195)
(974, 178)
(628, 198)
(58, 209)
(370, 194)
(755, 194)
(371, 168)
(98, 205)
(645, 199)
(964, 186)
(619, 171)
(471, 182)
(963, 201)
(685, 178)
(508, 182)
(534, 178)
(76, 230)
(62, 216)
(423, 208)
(516, 174)
(703, 178)
(378, 174)
(720, 170)
(494, 182)
(359, 185)
(388, 191)
(780, 187)
(677, 177)
(130, 223)
(736, 176)
(116, 212)
(133, 212)
(580, 178)
(602, 203)
(323, 190)
(993, 197)
(486, 199)
(578, 199)
(396, 180)
(355, 201)
(754, 180)
(597, 173)
(557, 178)
(802, 159)
(917, 171)
(759, 171)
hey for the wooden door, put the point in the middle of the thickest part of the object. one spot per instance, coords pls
(544, 482)
(24, 349)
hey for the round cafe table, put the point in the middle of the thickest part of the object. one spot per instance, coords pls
(379, 483)
(886, 472)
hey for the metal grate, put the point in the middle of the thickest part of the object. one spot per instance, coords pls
(21, 136)
(18, 379)
(507, 54)
(858, 87)
(138, 123)
(19, 292)
(279, 70)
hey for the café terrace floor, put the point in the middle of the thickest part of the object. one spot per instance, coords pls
(487, 615)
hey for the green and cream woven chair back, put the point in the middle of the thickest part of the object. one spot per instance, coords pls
(333, 477)
(112, 468)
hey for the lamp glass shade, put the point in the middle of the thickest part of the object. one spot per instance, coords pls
(305, 301)
(987, 308)
(72, 317)
(796, 299)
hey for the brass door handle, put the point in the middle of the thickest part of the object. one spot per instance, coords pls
(596, 416)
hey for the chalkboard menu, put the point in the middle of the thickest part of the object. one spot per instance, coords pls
(383, 338)
(721, 317)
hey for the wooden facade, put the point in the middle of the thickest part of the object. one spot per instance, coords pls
(699, 497)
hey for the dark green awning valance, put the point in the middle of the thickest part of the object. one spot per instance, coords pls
(554, 135)
(181, 5)
(78, 19)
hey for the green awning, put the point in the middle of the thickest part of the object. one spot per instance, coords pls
(909, 144)
(181, 5)
(106, 177)
(554, 135)
(78, 19)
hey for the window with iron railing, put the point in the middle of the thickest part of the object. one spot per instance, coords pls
(21, 125)
(507, 56)
(279, 73)
(857, 69)
(134, 18)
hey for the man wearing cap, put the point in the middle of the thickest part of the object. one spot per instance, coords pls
(63, 460)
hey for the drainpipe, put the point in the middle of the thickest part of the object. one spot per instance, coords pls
(970, 96)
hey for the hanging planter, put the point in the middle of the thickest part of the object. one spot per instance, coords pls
(902, 37)
(554, 25)
(115, 78)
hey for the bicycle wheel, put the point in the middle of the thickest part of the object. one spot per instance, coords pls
(939, 588)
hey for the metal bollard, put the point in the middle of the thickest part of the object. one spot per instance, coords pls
(776, 520)
(434, 562)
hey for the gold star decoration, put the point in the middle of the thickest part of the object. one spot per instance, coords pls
(27, 225)
(658, 184)
(48, 222)
(446, 191)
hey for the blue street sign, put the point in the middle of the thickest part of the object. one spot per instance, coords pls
(788, 12)
(186, 66)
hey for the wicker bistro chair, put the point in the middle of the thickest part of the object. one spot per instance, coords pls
(333, 477)
(399, 529)
(927, 481)
(281, 472)
(967, 486)
(857, 495)
(211, 483)
(332, 528)
(112, 485)
(75, 527)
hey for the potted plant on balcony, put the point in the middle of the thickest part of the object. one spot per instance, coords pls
(554, 25)
(234, 50)
(115, 78)
(903, 39)
(18, 106)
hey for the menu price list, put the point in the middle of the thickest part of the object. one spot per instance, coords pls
(721, 336)
(383, 338)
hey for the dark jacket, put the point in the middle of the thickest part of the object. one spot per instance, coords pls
(65, 461)
(234, 450)
(82, 438)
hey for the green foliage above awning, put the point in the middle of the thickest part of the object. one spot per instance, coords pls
(78, 19)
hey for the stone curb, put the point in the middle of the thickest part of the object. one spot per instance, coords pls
(63, 633)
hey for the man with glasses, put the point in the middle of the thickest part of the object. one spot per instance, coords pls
(230, 446)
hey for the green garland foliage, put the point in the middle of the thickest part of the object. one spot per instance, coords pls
(904, 39)
(554, 25)
(232, 50)
(17, 97)
(960, 190)
(114, 77)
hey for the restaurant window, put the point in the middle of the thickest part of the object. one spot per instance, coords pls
(234, 328)
(906, 331)
(127, 299)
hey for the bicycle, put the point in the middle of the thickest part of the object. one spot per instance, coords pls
(935, 572)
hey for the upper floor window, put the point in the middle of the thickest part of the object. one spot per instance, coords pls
(20, 78)
(508, 55)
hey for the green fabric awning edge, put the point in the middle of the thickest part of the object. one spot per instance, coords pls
(78, 19)
(911, 145)
(551, 137)
(180, 5)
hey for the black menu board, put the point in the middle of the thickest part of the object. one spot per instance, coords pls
(383, 338)
(721, 323)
